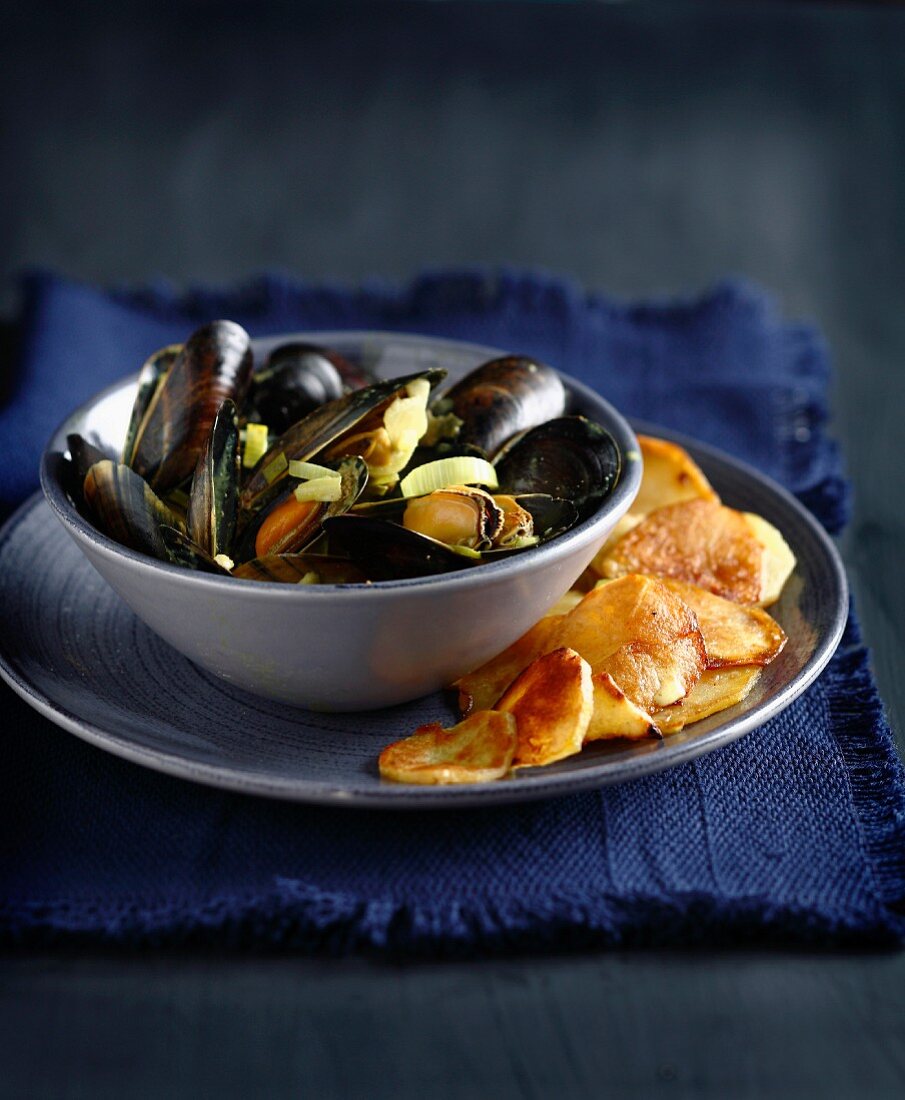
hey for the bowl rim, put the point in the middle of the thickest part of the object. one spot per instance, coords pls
(616, 503)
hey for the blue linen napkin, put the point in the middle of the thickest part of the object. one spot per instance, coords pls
(794, 834)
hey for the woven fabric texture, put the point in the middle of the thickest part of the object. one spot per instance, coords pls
(793, 834)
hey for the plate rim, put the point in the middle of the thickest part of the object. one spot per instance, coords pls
(529, 786)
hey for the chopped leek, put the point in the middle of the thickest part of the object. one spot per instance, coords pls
(255, 444)
(308, 470)
(311, 577)
(459, 470)
(273, 469)
(226, 561)
(320, 488)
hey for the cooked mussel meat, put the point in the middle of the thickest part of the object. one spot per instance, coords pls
(300, 569)
(215, 364)
(459, 515)
(293, 520)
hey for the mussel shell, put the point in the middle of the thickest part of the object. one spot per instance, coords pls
(150, 377)
(569, 457)
(551, 515)
(387, 551)
(127, 509)
(181, 550)
(320, 428)
(291, 568)
(501, 398)
(215, 363)
(354, 472)
(214, 497)
(296, 379)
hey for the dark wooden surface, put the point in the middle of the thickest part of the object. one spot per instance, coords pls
(643, 148)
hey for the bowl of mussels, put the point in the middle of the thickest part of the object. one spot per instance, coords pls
(340, 521)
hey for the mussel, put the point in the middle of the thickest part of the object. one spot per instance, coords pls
(215, 364)
(213, 505)
(570, 457)
(295, 380)
(353, 424)
(501, 398)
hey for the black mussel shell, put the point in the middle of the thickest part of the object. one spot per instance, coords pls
(181, 550)
(127, 509)
(387, 551)
(354, 473)
(315, 432)
(501, 398)
(292, 568)
(296, 379)
(215, 364)
(214, 497)
(551, 515)
(569, 457)
(150, 377)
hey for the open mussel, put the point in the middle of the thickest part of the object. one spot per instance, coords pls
(290, 524)
(300, 569)
(295, 379)
(570, 457)
(501, 398)
(386, 551)
(215, 364)
(352, 424)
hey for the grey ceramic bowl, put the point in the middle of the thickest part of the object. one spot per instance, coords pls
(343, 647)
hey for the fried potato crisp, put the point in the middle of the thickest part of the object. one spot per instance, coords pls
(699, 541)
(734, 634)
(634, 629)
(717, 689)
(670, 475)
(615, 715)
(778, 561)
(476, 750)
(552, 701)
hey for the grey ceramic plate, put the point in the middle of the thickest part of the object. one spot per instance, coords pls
(72, 649)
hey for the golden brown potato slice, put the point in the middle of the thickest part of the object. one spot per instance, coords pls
(615, 715)
(552, 701)
(717, 689)
(699, 541)
(734, 634)
(480, 689)
(634, 628)
(477, 750)
(670, 475)
(778, 561)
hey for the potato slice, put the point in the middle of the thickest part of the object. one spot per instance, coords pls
(480, 689)
(699, 541)
(778, 561)
(734, 634)
(552, 701)
(717, 689)
(634, 628)
(670, 475)
(476, 750)
(615, 715)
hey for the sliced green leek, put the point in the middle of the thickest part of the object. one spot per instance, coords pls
(255, 444)
(273, 469)
(320, 488)
(459, 470)
(308, 470)
(226, 561)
